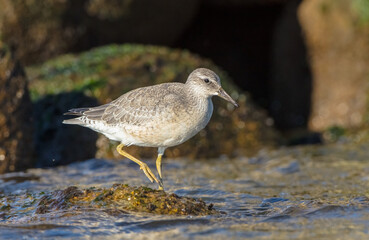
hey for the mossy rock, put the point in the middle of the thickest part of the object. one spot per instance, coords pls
(43, 29)
(108, 72)
(16, 143)
(118, 198)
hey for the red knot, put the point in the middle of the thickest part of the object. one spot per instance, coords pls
(161, 116)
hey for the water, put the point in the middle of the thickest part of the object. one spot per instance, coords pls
(313, 192)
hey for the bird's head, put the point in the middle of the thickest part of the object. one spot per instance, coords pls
(207, 83)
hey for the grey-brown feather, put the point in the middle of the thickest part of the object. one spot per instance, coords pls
(143, 105)
(137, 107)
(76, 111)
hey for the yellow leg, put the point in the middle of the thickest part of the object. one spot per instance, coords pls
(143, 165)
(158, 167)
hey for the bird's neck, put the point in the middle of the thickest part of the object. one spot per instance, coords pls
(196, 92)
(198, 100)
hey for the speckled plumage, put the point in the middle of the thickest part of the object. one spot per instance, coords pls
(161, 116)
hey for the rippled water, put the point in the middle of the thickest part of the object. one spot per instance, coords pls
(319, 192)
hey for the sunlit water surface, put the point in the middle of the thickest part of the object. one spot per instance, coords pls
(314, 192)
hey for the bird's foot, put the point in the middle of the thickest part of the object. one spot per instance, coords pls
(161, 185)
(148, 173)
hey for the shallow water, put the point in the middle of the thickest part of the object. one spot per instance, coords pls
(319, 192)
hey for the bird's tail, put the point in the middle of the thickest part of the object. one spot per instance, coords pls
(76, 111)
(77, 121)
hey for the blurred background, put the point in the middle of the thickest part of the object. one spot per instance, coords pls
(299, 69)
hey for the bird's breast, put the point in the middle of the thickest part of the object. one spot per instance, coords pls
(189, 123)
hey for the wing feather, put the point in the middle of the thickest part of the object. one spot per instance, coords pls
(137, 107)
(140, 106)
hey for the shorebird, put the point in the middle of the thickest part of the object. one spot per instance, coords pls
(161, 116)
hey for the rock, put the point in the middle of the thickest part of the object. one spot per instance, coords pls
(144, 21)
(119, 199)
(243, 2)
(338, 47)
(110, 71)
(16, 147)
(291, 80)
(58, 144)
(38, 30)
(43, 29)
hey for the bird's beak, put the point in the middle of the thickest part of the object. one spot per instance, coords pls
(224, 95)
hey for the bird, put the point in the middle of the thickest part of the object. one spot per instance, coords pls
(160, 116)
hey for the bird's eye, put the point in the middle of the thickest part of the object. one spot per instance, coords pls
(206, 80)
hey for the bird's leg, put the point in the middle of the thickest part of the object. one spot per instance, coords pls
(143, 165)
(158, 167)
(161, 151)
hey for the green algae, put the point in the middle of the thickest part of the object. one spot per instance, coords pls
(357, 135)
(136, 65)
(118, 197)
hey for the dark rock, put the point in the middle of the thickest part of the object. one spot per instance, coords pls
(37, 28)
(238, 3)
(16, 147)
(57, 200)
(144, 21)
(43, 29)
(291, 80)
(58, 144)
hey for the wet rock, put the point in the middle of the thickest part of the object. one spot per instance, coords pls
(293, 167)
(58, 144)
(108, 72)
(43, 29)
(119, 199)
(19, 178)
(57, 200)
(16, 148)
(338, 47)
